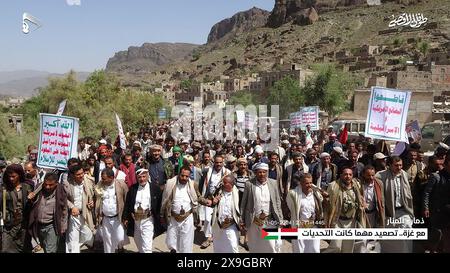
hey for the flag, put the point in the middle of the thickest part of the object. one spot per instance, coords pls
(282, 233)
(121, 134)
(61, 108)
(344, 136)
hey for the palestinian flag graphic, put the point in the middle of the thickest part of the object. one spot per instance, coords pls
(279, 233)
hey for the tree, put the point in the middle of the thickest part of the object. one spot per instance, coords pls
(329, 89)
(242, 97)
(287, 94)
(186, 84)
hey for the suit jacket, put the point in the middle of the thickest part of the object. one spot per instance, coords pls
(60, 215)
(155, 195)
(293, 202)
(248, 206)
(121, 195)
(169, 194)
(388, 181)
(88, 195)
(235, 208)
(379, 200)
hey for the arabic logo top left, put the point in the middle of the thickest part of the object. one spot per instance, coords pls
(28, 19)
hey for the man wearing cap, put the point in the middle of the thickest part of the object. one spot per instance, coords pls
(328, 147)
(258, 157)
(141, 211)
(196, 173)
(338, 158)
(399, 204)
(231, 163)
(324, 172)
(210, 183)
(379, 160)
(225, 217)
(179, 203)
(261, 208)
(297, 168)
(176, 159)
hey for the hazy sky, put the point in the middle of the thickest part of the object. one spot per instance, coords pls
(84, 37)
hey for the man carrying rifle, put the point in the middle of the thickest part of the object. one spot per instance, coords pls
(14, 205)
(209, 184)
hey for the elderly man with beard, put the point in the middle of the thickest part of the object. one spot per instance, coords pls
(141, 212)
(261, 208)
(225, 218)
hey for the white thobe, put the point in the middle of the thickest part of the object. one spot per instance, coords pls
(225, 240)
(212, 183)
(307, 212)
(262, 203)
(78, 233)
(143, 229)
(180, 236)
(112, 230)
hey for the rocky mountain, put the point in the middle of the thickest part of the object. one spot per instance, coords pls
(306, 12)
(148, 57)
(238, 23)
(343, 26)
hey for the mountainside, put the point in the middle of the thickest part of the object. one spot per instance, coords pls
(341, 26)
(148, 57)
(24, 83)
(238, 23)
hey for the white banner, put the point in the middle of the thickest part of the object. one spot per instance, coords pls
(296, 120)
(58, 141)
(309, 116)
(250, 121)
(121, 134)
(240, 116)
(61, 108)
(387, 114)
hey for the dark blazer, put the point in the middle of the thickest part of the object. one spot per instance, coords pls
(156, 198)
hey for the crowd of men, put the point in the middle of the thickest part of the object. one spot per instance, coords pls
(230, 190)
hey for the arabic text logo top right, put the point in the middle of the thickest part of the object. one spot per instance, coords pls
(408, 19)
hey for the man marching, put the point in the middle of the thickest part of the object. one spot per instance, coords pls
(142, 211)
(261, 208)
(225, 217)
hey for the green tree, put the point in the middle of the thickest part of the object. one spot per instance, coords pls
(186, 84)
(329, 89)
(243, 97)
(287, 94)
